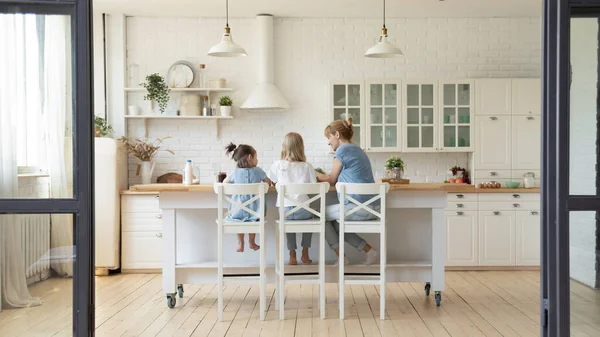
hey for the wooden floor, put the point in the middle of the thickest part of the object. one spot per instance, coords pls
(473, 304)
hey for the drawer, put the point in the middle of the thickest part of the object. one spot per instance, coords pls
(492, 175)
(512, 206)
(509, 197)
(461, 206)
(141, 222)
(142, 250)
(140, 204)
(462, 197)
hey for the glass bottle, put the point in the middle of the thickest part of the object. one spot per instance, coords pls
(201, 76)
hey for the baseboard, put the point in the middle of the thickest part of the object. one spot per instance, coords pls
(491, 268)
(141, 271)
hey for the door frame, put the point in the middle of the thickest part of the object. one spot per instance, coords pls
(557, 203)
(81, 206)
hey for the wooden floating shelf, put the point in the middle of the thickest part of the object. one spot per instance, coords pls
(176, 117)
(183, 89)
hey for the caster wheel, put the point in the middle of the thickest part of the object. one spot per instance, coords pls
(171, 301)
(180, 290)
(427, 289)
(438, 298)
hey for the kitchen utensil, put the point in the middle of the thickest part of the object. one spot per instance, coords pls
(512, 184)
(529, 180)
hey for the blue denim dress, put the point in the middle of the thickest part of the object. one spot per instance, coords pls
(252, 175)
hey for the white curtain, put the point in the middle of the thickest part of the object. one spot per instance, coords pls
(56, 108)
(14, 71)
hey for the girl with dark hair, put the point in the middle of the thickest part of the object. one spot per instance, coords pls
(246, 173)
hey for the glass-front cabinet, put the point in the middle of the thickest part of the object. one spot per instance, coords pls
(420, 102)
(347, 102)
(456, 103)
(383, 121)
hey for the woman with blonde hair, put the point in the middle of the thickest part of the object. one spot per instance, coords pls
(350, 165)
(293, 169)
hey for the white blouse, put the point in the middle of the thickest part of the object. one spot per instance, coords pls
(286, 172)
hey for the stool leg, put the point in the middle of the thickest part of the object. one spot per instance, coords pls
(341, 266)
(277, 269)
(322, 273)
(220, 272)
(281, 284)
(263, 284)
(382, 269)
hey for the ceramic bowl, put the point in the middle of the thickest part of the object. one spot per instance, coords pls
(512, 184)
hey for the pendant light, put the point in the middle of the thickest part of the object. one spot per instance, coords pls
(383, 48)
(227, 48)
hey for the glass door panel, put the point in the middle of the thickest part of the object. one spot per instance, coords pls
(456, 120)
(339, 94)
(383, 120)
(420, 112)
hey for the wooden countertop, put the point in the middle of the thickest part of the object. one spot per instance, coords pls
(451, 188)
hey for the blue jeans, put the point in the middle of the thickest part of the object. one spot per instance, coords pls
(332, 227)
(300, 214)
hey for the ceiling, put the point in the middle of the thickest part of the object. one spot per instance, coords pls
(324, 8)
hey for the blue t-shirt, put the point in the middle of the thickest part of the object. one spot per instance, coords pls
(252, 175)
(356, 168)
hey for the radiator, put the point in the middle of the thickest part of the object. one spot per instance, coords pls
(35, 239)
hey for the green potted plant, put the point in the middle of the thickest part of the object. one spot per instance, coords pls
(158, 91)
(101, 127)
(394, 167)
(225, 103)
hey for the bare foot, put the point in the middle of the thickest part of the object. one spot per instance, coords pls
(293, 260)
(240, 247)
(254, 246)
(305, 259)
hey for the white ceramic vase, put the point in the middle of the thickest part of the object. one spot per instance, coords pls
(225, 111)
(146, 170)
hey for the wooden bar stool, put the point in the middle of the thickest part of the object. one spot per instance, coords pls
(258, 192)
(376, 191)
(287, 192)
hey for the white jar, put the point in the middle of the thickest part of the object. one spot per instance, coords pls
(188, 173)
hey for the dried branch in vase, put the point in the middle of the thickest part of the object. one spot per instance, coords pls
(143, 150)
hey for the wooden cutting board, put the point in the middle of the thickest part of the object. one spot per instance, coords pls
(395, 181)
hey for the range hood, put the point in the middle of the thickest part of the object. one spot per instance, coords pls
(265, 95)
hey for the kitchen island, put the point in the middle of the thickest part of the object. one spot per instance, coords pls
(415, 230)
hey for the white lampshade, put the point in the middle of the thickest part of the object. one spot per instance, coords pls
(227, 48)
(383, 48)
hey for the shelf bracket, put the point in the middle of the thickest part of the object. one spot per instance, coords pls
(217, 133)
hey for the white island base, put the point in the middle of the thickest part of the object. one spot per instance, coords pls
(415, 232)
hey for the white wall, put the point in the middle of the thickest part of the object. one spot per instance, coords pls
(584, 60)
(308, 53)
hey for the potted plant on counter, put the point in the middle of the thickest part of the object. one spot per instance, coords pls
(394, 167)
(101, 127)
(145, 152)
(225, 103)
(158, 91)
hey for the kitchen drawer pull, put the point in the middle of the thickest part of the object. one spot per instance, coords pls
(493, 118)
(460, 213)
(530, 118)
(159, 235)
(460, 196)
(516, 196)
(460, 205)
(534, 213)
(496, 213)
(159, 216)
(157, 197)
(493, 174)
(516, 205)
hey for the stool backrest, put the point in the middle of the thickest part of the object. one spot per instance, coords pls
(287, 191)
(377, 191)
(224, 191)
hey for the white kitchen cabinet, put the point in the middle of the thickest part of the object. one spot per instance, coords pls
(528, 238)
(526, 142)
(497, 238)
(347, 101)
(493, 142)
(493, 97)
(142, 250)
(456, 114)
(419, 101)
(461, 238)
(383, 122)
(526, 96)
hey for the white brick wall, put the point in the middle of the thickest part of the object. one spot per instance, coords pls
(582, 228)
(309, 52)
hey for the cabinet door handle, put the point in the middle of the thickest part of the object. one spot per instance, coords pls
(534, 213)
(516, 196)
(159, 216)
(159, 235)
(460, 213)
(496, 213)
(493, 118)
(516, 205)
(156, 197)
(460, 196)
(530, 118)
(493, 174)
(460, 205)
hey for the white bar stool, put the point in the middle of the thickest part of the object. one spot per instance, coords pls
(224, 191)
(378, 191)
(314, 225)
